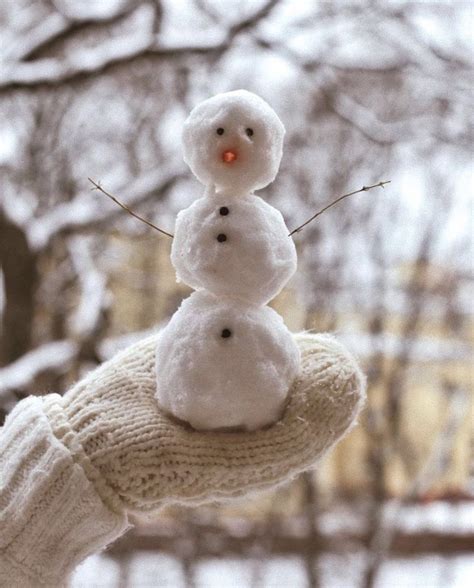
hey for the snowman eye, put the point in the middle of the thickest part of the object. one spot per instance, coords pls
(226, 333)
(249, 132)
(220, 131)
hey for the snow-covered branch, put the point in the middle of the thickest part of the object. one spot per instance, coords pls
(83, 62)
(58, 356)
(60, 26)
(50, 28)
(77, 65)
(88, 210)
(20, 374)
(383, 133)
(93, 284)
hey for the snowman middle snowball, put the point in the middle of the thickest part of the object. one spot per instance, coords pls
(225, 360)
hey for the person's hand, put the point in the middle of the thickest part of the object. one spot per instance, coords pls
(139, 459)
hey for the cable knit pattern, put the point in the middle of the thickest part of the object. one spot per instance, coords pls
(71, 467)
(147, 459)
(51, 516)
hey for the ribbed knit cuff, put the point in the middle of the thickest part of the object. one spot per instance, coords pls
(51, 516)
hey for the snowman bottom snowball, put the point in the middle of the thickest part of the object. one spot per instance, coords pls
(223, 364)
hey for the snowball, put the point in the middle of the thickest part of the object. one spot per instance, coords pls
(221, 363)
(235, 122)
(233, 246)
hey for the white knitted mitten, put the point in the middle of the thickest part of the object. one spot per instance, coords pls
(71, 467)
(140, 459)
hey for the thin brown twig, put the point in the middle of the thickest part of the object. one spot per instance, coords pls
(363, 189)
(97, 186)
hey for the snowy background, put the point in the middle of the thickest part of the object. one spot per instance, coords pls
(368, 91)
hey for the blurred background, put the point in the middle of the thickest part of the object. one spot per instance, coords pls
(368, 91)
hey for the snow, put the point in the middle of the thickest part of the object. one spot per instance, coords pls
(169, 130)
(83, 60)
(256, 258)
(94, 296)
(343, 568)
(275, 572)
(222, 344)
(226, 573)
(437, 517)
(343, 519)
(19, 210)
(49, 27)
(91, 207)
(219, 125)
(96, 571)
(283, 571)
(434, 571)
(111, 50)
(233, 144)
(215, 353)
(157, 570)
(182, 20)
(90, 9)
(423, 349)
(79, 60)
(202, 40)
(21, 373)
(9, 144)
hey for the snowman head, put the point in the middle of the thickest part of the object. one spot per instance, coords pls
(233, 141)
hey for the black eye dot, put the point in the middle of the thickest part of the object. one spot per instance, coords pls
(221, 237)
(220, 131)
(226, 333)
(223, 210)
(249, 132)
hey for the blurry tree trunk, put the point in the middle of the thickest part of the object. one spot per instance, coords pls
(20, 275)
(314, 540)
(377, 448)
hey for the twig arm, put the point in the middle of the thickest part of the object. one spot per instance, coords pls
(97, 186)
(363, 189)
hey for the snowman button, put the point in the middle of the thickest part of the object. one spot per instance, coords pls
(221, 237)
(226, 333)
(223, 210)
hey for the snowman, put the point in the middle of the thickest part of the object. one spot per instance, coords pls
(226, 360)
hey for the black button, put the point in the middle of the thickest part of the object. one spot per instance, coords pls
(226, 333)
(224, 211)
(221, 237)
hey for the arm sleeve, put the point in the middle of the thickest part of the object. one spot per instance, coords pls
(51, 517)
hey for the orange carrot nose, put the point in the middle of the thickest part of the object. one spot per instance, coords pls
(229, 156)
